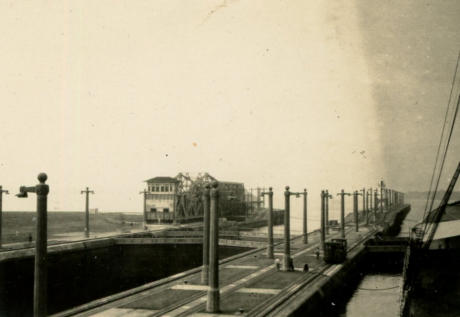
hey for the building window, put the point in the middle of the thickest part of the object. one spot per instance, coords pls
(153, 210)
(157, 189)
(165, 209)
(162, 188)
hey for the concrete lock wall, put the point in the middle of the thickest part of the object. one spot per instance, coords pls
(76, 277)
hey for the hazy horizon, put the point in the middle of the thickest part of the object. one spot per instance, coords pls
(311, 94)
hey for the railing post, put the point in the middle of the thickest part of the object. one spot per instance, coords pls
(287, 239)
(213, 290)
(206, 216)
(2, 191)
(270, 248)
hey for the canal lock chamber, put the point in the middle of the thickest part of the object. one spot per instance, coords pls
(76, 277)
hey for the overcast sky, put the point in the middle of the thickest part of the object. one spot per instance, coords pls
(316, 94)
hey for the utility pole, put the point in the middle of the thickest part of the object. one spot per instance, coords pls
(364, 201)
(2, 191)
(212, 305)
(342, 195)
(41, 259)
(206, 223)
(270, 249)
(87, 192)
(381, 196)
(145, 192)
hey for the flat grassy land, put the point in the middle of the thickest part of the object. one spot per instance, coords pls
(18, 225)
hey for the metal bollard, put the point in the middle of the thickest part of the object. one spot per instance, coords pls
(206, 216)
(342, 195)
(270, 249)
(213, 290)
(2, 191)
(40, 270)
(87, 192)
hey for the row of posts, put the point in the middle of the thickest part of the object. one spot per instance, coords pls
(210, 269)
(210, 272)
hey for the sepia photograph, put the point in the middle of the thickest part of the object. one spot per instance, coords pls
(220, 158)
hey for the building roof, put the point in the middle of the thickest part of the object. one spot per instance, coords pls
(162, 179)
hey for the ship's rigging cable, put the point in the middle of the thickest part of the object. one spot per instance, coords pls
(445, 151)
(440, 141)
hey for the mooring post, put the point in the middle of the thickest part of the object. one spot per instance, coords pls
(270, 248)
(40, 269)
(206, 222)
(2, 191)
(87, 192)
(144, 192)
(213, 290)
(342, 212)
(287, 239)
(323, 232)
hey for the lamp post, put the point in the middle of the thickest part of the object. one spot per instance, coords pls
(323, 231)
(368, 204)
(270, 249)
(2, 191)
(40, 270)
(212, 305)
(145, 192)
(206, 215)
(305, 221)
(326, 215)
(342, 195)
(355, 209)
(287, 239)
(376, 201)
(87, 192)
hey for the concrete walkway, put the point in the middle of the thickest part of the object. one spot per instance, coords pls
(247, 285)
